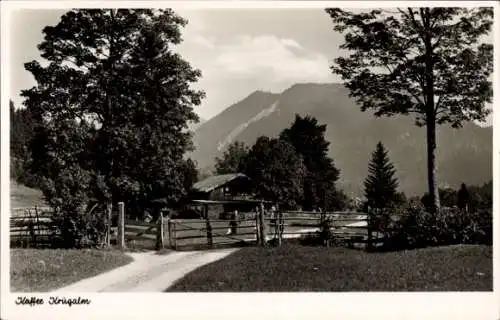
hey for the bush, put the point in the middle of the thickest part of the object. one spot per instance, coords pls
(325, 228)
(80, 229)
(419, 228)
(321, 237)
(187, 213)
(311, 239)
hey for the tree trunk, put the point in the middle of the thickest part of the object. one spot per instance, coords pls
(431, 166)
(430, 112)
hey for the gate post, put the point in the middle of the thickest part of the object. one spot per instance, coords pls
(109, 209)
(175, 236)
(209, 228)
(369, 225)
(257, 226)
(159, 233)
(169, 231)
(261, 226)
(280, 226)
(121, 225)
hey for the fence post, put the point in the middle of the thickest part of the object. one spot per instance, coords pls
(175, 236)
(369, 223)
(109, 209)
(169, 232)
(121, 225)
(209, 228)
(36, 229)
(280, 227)
(261, 226)
(159, 233)
(257, 228)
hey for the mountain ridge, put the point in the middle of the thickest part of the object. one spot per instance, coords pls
(353, 135)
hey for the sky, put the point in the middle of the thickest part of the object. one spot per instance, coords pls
(238, 51)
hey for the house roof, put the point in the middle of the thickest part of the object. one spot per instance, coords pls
(214, 182)
(242, 201)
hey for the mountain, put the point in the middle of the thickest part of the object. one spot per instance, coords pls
(463, 155)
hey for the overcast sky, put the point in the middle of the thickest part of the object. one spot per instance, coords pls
(237, 50)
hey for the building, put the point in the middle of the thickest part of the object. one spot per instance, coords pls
(223, 187)
(225, 190)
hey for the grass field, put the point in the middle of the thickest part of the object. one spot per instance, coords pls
(301, 268)
(42, 270)
(22, 196)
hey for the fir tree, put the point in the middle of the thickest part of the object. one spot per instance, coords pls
(381, 184)
(307, 136)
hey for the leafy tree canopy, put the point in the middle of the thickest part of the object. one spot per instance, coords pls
(277, 171)
(113, 103)
(430, 62)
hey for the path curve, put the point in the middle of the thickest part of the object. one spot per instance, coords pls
(149, 272)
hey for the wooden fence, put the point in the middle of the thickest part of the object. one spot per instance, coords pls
(32, 227)
(346, 227)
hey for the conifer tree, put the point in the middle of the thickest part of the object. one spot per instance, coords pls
(381, 184)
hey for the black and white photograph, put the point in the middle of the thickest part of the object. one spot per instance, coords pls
(330, 148)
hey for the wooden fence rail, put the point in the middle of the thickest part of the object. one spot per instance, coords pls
(36, 226)
(261, 228)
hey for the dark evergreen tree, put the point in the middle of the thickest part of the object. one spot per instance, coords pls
(21, 131)
(308, 139)
(381, 184)
(429, 62)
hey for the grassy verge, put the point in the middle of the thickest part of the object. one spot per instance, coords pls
(22, 196)
(42, 270)
(301, 268)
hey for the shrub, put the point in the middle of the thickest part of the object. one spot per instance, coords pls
(419, 228)
(80, 229)
(311, 239)
(326, 234)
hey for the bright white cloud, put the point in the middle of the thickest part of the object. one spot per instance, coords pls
(237, 59)
(234, 67)
(273, 58)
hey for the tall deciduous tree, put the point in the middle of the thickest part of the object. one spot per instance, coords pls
(277, 170)
(233, 159)
(381, 184)
(426, 61)
(113, 103)
(308, 139)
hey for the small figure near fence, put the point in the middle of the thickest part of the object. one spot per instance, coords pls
(148, 217)
(233, 223)
(272, 220)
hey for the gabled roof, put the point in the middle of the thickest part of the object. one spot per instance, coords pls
(214, 182)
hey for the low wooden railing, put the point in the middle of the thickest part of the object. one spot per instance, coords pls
(348, 226)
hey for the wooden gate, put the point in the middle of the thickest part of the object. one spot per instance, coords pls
(186, 234)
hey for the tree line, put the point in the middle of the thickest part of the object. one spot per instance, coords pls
(108, 114)
(293, 169)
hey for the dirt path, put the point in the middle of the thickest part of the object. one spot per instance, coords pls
(149, 272)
